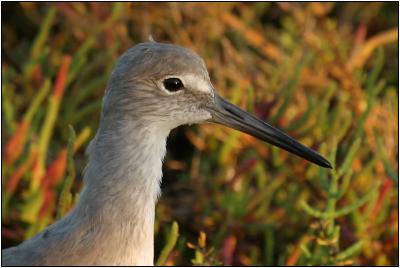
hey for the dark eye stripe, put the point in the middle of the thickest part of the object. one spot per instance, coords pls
(173, 84)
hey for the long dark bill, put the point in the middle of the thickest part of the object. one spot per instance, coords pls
(227, 114)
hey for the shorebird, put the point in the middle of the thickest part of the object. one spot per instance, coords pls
(153, 89)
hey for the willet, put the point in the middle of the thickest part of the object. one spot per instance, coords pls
(154, 88)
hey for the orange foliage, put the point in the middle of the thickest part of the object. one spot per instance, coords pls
(16, 143)
(62, 77)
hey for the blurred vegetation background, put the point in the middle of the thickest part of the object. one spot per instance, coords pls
(325, 73)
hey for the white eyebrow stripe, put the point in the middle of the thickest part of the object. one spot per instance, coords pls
(196, 82)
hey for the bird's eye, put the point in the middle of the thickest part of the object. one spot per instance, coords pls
(173, 84)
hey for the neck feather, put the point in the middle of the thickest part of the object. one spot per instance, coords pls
(122, 184)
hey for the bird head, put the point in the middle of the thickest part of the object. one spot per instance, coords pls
(167, 86)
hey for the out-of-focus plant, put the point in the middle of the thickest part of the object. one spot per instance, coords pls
(203, 256)
(326, 249)
(169, 246)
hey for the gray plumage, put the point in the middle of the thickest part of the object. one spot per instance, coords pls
(114, 220)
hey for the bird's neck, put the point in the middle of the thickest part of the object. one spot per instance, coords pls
(122, 183)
